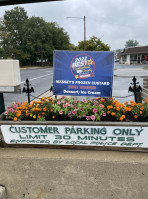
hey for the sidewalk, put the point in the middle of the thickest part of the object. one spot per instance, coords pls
(137, 72)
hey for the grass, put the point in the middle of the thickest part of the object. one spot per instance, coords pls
(146, 68)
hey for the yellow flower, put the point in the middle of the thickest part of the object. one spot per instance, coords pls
(34, 116)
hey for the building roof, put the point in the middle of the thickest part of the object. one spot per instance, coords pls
(133, 50)
(13, 2)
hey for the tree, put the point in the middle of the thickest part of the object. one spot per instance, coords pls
(2, 54)
(93, 44)
(131, 43)
(31, 39)
(37, 39)
(11, 32)
(60, 39)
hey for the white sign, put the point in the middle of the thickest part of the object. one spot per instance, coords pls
(116, 136)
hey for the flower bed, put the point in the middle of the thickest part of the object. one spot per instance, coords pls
(100, 109)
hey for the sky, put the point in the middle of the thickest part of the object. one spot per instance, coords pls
(114, 21)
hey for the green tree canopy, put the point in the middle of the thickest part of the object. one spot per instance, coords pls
(37, 39)
(93, 44)
(31, 39)
(131, 43)
(60, 39)
(11, 32)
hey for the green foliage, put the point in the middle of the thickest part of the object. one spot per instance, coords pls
(131, 43)
(11, 32)
(2, 53)
(37, 39)
(93, 44)
(30, 39)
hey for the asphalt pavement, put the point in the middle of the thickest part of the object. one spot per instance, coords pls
(41, 80)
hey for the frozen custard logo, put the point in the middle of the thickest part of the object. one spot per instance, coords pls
(82, 66)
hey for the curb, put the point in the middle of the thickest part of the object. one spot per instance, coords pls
(30, 68)
(2, 192)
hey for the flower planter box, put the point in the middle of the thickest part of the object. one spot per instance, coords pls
(119, 136)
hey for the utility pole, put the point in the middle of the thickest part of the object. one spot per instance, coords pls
(84, 20)
(84, 33)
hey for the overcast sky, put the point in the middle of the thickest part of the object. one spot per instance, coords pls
(114, 21)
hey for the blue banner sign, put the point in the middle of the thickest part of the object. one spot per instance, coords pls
(83, 73)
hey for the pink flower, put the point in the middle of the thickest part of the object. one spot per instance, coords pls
(63, 102)
(6, 113)
(64, 105)
(67, 104)
(14, 105)
(60, 112)
(74, 112)
(93, 117)
(104, 114)
(84, 101)
(58, 102)
(88, 117)
(81, 109)
(95, 110)
(101, 105)
(10, 109)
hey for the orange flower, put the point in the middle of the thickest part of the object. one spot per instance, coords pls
(108, 112)
(102, 100)
(112, 113)
(51, 110)
(39, 116)
(18, 113)
(146, 100)
(141, 108)
(117, 108)
(33, 109)
(141, 112)
(109, 107)
(53, 117)
(133, 104)
(135, 116)
(121, 118)
(44, 109)
(43, 113)
(15, 119)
